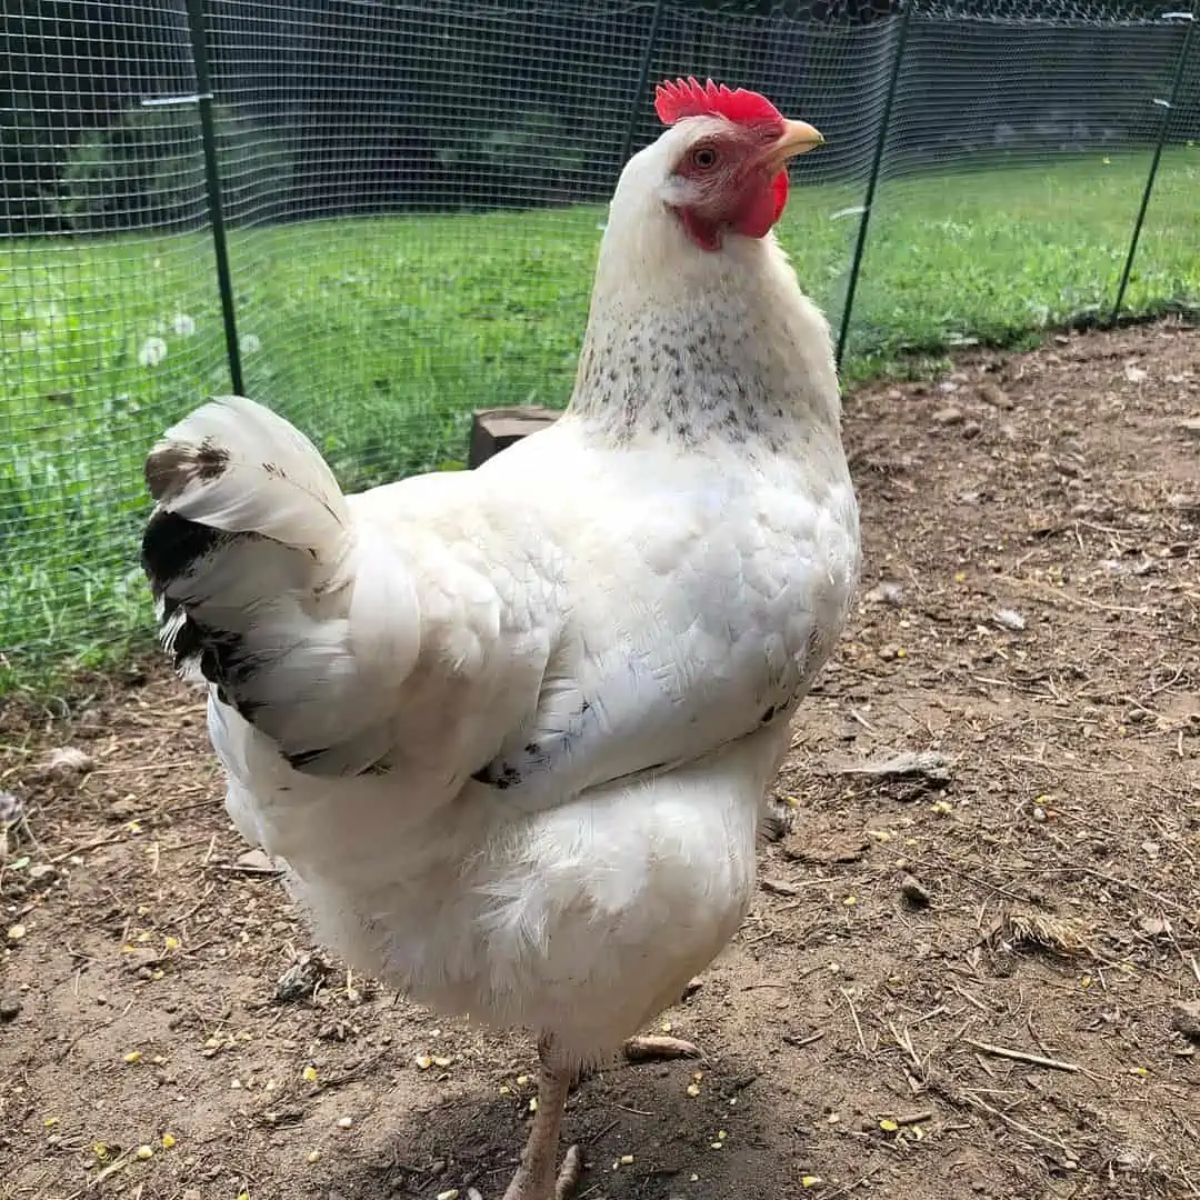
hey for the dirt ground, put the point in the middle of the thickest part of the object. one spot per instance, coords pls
(926, 938)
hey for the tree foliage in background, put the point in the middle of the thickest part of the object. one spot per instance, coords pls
(531, 153)
(448, 104)
(66, 68)
(146, 171)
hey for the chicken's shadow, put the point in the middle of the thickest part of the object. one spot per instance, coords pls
(644, 1137)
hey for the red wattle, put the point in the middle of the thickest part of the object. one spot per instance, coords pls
(779, 189)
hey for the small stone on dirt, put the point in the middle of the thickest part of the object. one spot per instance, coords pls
(10, 809)
(773, 826)
(776, 887)
(989, 393)
(141, 961)
(1185, 1017)
(257, 860)
(1190, 426)
(10, 1008)
(914, 891)
(886, 592)
(844, 849)
(1009, 618)
(68, 761)
(42, 874)
(301, 979)
(950, 415)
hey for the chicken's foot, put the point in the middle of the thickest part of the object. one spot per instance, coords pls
(536, 1178)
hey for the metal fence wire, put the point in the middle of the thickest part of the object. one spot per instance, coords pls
(376, 216)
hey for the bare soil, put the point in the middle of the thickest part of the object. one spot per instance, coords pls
(1030, 617)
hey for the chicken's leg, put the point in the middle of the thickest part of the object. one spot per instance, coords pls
(536, 1178)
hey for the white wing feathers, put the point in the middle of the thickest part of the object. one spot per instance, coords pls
(641, 678)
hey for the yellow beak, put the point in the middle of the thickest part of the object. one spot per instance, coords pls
(798, 137)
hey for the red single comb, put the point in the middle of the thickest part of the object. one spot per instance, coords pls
(687, 98)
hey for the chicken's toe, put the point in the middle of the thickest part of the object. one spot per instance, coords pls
(651, 1047)
(524, 1187)
(568, 1174)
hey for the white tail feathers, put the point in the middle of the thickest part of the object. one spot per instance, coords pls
(302, 621)
(237, 466)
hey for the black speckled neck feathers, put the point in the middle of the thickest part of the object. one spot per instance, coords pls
(686, 374)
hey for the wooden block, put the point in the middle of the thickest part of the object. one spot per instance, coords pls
(493, 429)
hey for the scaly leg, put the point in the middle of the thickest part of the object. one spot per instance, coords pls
(536, 1178)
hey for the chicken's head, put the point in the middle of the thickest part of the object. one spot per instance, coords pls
(723, 161)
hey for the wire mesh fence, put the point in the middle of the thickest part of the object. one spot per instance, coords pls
(1024, 146)
(413, 196)
(105, 299)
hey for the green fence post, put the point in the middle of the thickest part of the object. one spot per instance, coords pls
(873, 178)
(208, 136)
(1168, 107)
(643, 79)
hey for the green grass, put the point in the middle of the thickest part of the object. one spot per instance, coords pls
(379, 336)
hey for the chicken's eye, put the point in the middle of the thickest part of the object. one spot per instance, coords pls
(704, 157)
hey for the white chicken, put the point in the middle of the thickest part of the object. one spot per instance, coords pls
(511, 730)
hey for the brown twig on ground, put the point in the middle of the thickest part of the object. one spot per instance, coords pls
(915, 1118)
(906, 1044)
(862, 1041)
(853, 1187)
(972, 1000)
(1037, 1060)
(107, 840)
(805, 1041)
(975, 1102)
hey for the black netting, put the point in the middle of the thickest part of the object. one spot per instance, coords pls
(415, 194)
